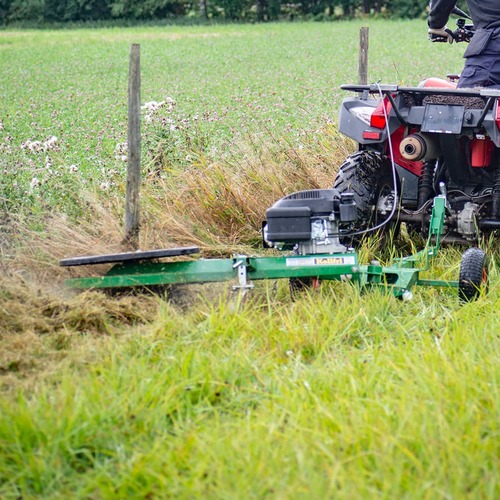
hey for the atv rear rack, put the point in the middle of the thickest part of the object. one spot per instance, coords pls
(391, 89)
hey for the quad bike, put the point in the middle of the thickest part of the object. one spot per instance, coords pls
(419, 142)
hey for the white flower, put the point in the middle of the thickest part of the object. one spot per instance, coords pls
(152, 108)
(50, 143)
(121, 151)
(73, 169)
(33, 146)
(35, 182)
(38, 146)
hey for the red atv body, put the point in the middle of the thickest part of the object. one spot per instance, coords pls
(417, 142)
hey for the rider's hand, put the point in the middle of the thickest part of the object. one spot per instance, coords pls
(443, 34)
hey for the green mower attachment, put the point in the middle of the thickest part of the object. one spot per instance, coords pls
(143, 269)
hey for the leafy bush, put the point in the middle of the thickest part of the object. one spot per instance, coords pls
(407, 8)
(261, 10)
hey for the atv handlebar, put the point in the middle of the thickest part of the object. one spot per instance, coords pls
(460, 13)
(464, 32)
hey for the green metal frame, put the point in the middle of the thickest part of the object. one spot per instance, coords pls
(400, 277)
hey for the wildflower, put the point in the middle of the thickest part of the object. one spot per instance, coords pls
(33, 146)
(35, 182)
(50, 143)
(151, 108)
(121, 150)
(39, 146)
(5, 148)
(73, 169)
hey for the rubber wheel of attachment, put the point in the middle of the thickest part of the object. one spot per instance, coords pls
(298, 285)
(473, 274)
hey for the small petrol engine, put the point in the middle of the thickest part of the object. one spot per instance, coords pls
(309, 222)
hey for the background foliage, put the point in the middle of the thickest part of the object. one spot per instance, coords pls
(238, 91)
(50, 11)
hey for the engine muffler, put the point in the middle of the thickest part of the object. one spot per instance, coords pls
(416, 147)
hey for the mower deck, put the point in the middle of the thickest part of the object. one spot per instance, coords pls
(134, 269)
(400, 278)
(88, 260)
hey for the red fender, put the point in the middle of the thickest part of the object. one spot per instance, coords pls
(437, 83)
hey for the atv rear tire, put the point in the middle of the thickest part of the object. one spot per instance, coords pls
(367, 174)
(473, 274)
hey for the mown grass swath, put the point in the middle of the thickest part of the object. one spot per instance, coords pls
(335, 393)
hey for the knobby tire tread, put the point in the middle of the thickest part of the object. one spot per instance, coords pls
(362, 174)
(472, 272)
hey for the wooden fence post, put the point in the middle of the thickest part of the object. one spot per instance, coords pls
(134, 149)
(363, 56)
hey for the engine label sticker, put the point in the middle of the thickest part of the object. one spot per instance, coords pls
(348, 260)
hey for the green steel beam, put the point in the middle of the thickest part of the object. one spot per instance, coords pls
(211, 270)
(445, 284)
(400, 277)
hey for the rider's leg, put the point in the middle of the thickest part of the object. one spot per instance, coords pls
(483, 70)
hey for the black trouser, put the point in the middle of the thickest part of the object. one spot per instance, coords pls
(482, 65)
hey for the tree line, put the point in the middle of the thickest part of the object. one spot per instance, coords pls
(56, 11)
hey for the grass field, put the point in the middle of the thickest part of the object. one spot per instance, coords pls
(335, 394)
(232, 86)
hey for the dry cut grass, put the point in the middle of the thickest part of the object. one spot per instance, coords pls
(41, 330)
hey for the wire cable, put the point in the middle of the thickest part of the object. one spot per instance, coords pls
(394, 176)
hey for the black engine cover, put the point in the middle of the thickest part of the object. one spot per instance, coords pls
(288, 224)
(289, 219)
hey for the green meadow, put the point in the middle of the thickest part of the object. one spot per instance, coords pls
(197, 392)
(232, 85)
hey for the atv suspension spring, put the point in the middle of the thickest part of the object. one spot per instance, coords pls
(495, 198)
(425, 185)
